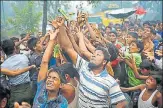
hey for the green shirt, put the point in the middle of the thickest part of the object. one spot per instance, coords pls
(131, 77)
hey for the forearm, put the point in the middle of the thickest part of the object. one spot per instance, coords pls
(45, 60)
(74, 44)
(137, 75)
(15, 72)
(18, 43)
(89, 46)
(48, 52)
(128, 63)
(63, 39)
(83, 48)
(66, 44)
(121, 104)
(92, 33)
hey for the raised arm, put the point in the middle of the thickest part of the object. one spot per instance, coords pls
(66, 44)
(92, 33)
(74, 44)
(82, 46)
(16, 72)
(139, 87)
(47, 55)
(24, 39)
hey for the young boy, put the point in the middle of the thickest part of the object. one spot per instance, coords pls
(149, 97)
(135, 49)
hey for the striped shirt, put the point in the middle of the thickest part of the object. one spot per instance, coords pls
(95, 90)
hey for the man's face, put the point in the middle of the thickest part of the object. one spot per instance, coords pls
(146, 33)
(97, 58)
(108, 30)
(119, 32)
(112, 37)
(53, 82)
(39, 46)
(130, 39)
(151, 83)
(133, 48)
(131, 30)
(145, 25)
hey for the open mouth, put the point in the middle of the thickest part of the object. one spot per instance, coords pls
(49, 84)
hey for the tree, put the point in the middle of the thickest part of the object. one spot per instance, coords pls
(25, 19)
(44, 23)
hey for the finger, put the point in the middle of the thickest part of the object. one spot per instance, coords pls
(16, 105)
(26, 104)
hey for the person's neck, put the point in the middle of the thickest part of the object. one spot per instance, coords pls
(73, 82)
(11, 54)
(52, 95)
(107, 34)
(146, 40)
(38, 52)
(97, 70)
(151, 90)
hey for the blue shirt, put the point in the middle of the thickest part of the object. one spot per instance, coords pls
(41, 98)
(14, 62)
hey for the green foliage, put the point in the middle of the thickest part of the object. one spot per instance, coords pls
(26, 19)
(94, 2)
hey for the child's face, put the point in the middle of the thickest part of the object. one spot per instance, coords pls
(151, 83)
(133, 48)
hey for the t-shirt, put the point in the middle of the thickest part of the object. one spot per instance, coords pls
(41, 98)
(14, 62)
(94, 90)
(131, 77)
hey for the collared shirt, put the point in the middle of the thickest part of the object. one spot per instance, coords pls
(41, 98)
(14, 62)
(133, 81)
(94, 90)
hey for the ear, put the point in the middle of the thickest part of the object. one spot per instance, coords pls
(104, 62)
(67, 77)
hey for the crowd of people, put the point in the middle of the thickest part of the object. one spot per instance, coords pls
(79, 64)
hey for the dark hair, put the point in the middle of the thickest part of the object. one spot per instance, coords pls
(8, 46)
(133, 34)
(14, 39)
(113, 51)
(68, 68)
(22, 35)
(146, 22)
(139, 44)
(58, 71)
(108, 27)
(105, 52)
(114, 33)
(4, 92)
(32, 43)
(132, 27)
(151, 29)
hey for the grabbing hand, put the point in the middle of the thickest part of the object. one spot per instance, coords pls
(53, 34)
(27, 37)
(159, 52)
(59, 21)
(24, 105)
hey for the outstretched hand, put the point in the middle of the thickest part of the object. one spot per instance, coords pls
(27, 37)
(53, 34)
(24, 105)
(59, 21)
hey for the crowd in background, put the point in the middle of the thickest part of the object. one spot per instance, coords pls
(82, 65)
